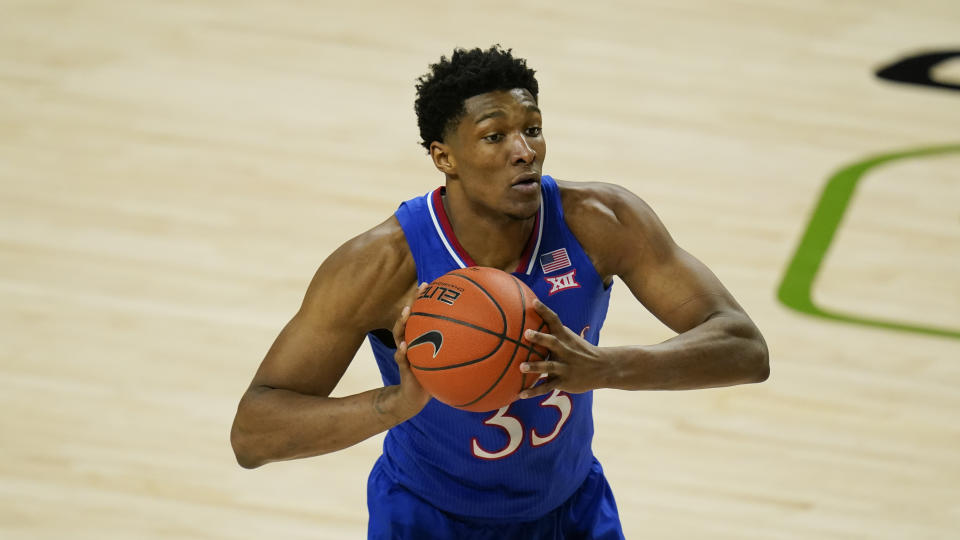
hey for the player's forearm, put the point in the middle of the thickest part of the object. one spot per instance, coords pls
(274, 424)
(723, 351)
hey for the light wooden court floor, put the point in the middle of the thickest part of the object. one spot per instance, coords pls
(171, 174)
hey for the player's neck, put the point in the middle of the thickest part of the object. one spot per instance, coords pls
(490, 238)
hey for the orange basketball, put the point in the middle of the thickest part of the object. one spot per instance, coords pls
(465, 338)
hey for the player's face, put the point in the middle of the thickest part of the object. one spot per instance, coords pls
(497, 152)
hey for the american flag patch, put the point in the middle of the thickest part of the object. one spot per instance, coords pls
(555, 260)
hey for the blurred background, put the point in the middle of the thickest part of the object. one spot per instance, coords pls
(172, 173)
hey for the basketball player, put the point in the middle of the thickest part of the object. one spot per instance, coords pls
(525, 471)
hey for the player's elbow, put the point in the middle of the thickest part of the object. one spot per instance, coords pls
(244, 444)
(753, 362)
(762, 371)
(244, 449)
(247, 462)
(758, 358)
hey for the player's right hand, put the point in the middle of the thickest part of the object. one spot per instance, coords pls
(412, 396)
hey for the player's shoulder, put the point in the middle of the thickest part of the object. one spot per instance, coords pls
(600, 204)
(384, 243)
(373, 269)
(604, 217)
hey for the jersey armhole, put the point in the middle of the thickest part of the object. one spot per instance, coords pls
(385, 337)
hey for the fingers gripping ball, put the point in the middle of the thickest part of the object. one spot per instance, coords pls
(465, 338)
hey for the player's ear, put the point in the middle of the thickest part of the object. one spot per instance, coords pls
(443, 159)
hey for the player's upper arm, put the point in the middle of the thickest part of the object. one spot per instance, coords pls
(624, 237)
(360, 287)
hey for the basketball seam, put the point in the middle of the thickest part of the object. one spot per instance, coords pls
(503, 316)
(516, 347)
(502, 337)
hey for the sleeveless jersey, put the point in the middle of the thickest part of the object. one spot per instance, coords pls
(520, 462)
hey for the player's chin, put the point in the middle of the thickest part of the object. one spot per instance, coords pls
(521, 215)
(523, 208)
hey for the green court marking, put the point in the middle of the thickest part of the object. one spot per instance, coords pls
(797, 286)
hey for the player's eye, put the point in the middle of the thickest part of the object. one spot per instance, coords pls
(494, 137)
(534, 131)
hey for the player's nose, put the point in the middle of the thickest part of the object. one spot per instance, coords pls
(522, 151)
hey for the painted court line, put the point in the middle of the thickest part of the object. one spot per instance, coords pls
(797, 285)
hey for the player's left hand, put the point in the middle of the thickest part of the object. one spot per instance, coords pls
(575, 365)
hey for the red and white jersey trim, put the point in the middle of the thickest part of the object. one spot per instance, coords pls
(445, 231)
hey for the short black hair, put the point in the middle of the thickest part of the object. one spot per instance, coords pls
(467, 73)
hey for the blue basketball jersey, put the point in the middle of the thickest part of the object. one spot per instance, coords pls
(522, 461)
